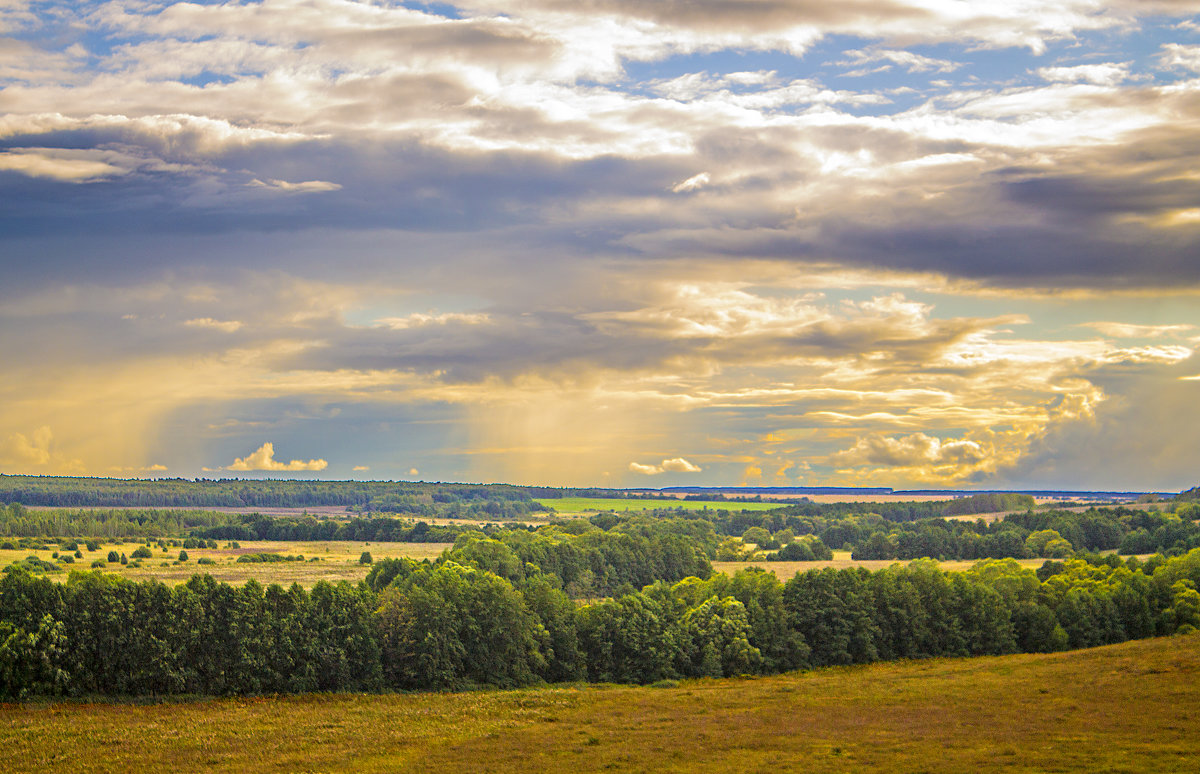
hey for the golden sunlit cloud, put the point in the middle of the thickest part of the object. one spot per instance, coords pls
(673, 465)
(264, 459)
(501, 252)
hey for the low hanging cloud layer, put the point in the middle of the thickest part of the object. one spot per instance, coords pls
(881, 241)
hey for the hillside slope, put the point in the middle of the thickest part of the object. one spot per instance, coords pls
(1128, 707)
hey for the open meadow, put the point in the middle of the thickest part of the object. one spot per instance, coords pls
(1122, 708)
(322, 560)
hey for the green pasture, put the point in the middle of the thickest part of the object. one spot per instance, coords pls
(594, 504)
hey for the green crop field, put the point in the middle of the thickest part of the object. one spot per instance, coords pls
(1123, 708)
(586, 504)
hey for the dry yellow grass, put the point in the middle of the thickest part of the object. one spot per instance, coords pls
(842, 560)
(1123, 708)
(338, 560)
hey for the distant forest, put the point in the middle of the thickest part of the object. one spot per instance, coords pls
(617, 597)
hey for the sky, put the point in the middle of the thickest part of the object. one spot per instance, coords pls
(907, 243)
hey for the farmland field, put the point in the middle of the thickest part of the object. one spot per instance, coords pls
(335, 561)
(1129, 707)
(841, 560)
(566, 505)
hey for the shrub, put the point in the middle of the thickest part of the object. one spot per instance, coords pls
(113, 556)
(142, 552)
(183, 557)
(93, 545)
(7, 545)
(99, 563)
(205, 560)
(365, 558)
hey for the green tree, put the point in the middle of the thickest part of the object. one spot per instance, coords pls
(714, 640)
(30, 662)
(453, 626)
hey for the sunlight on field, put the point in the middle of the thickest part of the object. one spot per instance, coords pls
(323, 560)
(591, 504)
(1019, 713)
(841, 559)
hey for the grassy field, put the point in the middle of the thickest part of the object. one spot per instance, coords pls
(1123, 708)
(841, 559)
(591, 504)
(337, 560)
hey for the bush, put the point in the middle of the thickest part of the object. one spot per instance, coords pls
(183, 557)
(34, 564)
(99, 563)
(124, 559)
(142, 552)
(93, 545)
(365, 558)
(205, 560)
(113, 556)
(7, 545)
(264, 557)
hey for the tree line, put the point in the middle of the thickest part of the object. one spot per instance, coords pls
(453, 624)
(420, 498)
(1053, 533)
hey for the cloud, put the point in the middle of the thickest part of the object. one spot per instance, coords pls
(908, 451)
(1177, 55)
(264, 459)
(1133, 331)
(360, 468)
(1101, 74)
(910, 61)
(673, 465)
(58, 164)
(227, 326)
(36, 453)
(308, 186)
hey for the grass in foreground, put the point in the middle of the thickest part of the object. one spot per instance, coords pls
(1129, 707)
